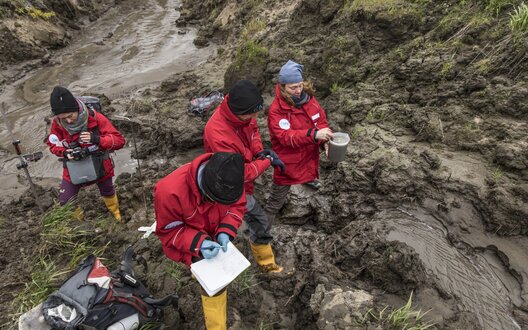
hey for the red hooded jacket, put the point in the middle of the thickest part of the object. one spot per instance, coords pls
(184, 219)
(292, 132)
(226, 132)
(110, 139)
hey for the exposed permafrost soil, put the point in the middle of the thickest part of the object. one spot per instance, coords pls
(431, 199)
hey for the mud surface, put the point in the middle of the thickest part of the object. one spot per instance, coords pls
(431, 198)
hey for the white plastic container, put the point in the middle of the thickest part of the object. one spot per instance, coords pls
(128, 323)
(338, 146)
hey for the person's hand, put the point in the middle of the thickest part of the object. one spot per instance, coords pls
(209, 249)
(276, 162)
(324, 134)
(223, 239)
(68, 154)
(266, 153)
(89, 137)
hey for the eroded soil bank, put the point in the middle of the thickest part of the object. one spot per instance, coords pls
(431, 199)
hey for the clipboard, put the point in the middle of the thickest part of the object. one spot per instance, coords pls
(216, 273)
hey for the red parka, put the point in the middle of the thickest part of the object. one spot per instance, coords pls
(292, 132)
(184, 219)
(110, 139)
(226, 132)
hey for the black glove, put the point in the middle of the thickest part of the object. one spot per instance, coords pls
(94, 138)
(267, 152)
(277, 162)
(66, 153)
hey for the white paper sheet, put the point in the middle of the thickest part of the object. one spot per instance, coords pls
(216, 273)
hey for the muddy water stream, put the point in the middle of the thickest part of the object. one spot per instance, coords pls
(477, 277)
(132, 46)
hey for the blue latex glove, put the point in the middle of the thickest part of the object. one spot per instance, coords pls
(223, 239)
(209, 249)
(266, 153)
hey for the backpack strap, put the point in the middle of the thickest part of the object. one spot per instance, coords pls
(163, 302)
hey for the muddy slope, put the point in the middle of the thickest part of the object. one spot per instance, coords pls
(431, 198)
(31, 29)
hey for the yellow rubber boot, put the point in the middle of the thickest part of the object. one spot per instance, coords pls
(263, 254)
(215, 311)
(78, 213)
(113, 206)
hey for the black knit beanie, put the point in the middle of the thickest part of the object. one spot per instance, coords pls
(62, 101)
(223, 177)
(244, 98)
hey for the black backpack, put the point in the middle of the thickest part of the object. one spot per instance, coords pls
(95, 298)
(92, 102)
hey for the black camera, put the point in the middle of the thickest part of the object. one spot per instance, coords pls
(79, 153)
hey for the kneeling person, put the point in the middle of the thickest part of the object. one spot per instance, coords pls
(199, 208)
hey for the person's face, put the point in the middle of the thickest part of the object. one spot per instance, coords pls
(69, 117)
(248, 117)
(294, 89)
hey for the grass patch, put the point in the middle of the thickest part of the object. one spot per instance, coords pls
(251, 52)
(495, 7)
(35, 13)
(44, 280)
(404, 317)
(252, 28)
(63, 234)
(245, 281)
(519, 19)
(497, 174)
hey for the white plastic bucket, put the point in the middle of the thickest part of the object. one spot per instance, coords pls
(338, 146)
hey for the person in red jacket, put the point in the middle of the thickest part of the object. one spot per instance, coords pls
(233, 128)
(77, 125)
(298, 128)
(199, 208)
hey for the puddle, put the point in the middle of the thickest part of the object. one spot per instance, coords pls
(477, 280)
(138, 46)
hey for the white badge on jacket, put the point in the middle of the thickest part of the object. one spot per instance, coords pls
(284, 124)
(54, 139)
(315, 117)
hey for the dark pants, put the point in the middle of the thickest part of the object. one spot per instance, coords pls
(258, 222)
(69, 191)
(276, 199)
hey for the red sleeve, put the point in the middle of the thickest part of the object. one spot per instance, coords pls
(252, 170)
(288, 137)
(233, 218)
(54, 139)
(110, 137)
(256, 141)
(179, 236)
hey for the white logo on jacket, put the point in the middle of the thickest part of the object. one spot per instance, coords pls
(284, 124)
(54, 139)
(316, 116)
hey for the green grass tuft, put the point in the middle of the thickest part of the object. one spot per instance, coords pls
(245, 281)
(404, 317)
(519, 19)
(44, 280)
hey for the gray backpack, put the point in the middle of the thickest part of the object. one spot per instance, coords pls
(97, 299)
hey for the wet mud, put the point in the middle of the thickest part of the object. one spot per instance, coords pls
(430, 199)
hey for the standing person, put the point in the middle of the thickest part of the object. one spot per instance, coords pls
(298, 128)
(75, 125)
(199, 208)
(233, 128)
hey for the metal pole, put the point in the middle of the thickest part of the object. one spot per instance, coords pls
(23, 164)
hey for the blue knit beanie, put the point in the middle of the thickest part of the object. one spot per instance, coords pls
(291, 73)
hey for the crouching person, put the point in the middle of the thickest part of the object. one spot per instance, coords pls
(199, 208)
(83, 138)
